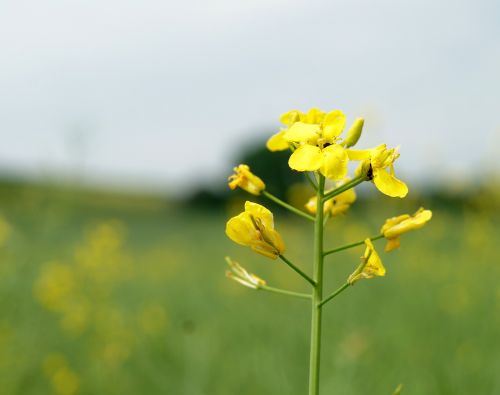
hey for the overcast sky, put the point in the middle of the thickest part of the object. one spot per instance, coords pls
(165, 92)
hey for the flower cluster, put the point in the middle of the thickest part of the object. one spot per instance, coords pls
(317, 146)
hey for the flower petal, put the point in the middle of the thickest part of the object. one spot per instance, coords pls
(276, 142)
(388, 184)
(314, 115)
(302, 132)
(333, 124)
(260, 212)
(306, 158)
(241, 230)
(358, 154)
(335, 161)
(290, 117)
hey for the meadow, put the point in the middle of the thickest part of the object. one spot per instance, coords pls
(109, 293)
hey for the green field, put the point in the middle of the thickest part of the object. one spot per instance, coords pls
(119, 294)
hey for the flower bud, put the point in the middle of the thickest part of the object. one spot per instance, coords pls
(246, 180)
(354, 133)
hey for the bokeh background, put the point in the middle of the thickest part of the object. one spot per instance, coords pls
(120, 122)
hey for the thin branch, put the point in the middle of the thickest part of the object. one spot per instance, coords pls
(287, 206)
(300, 272)
(346, 247)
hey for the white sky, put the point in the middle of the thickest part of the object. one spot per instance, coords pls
(165, 92)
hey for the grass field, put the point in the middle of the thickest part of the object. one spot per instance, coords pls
(111, 294)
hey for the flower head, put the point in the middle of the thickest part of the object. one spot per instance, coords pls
(246, 180)
(396, 226)
(255, 228)
(336, 205)
(378, 165)
(314, 138)
(240, 275)
(370, 266)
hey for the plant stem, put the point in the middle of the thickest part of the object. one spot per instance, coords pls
(287, 206)
(330, 297)
(300, 272)
(346, 247)
(314, 363)
(284, 292)
(348, 185)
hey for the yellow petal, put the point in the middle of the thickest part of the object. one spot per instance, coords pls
(335, 161)
(290, 117)
(392, 244)
(277, 142)
(388, 184)
(370, 267)
(391, 222)
(358, 154)
(418, 220)
(260, 212)
(241, 230)
(314, 115)
(302, 132)
(306, 158)
(333, 124)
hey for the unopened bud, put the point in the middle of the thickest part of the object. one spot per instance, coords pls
(354, 133)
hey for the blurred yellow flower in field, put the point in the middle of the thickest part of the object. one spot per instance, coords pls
(54, 286)
(246, 180)
(370, 266)
(239, 274)
(255, 228)
(396, 226)
(336, 205)
(64, 380)
(375, 163)
(315, 140)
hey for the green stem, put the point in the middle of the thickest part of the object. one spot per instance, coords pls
(284, 292)
(346, 247)
(314, 363)
(305, 276)
(287, 206)
(330, 297)
(337, 191)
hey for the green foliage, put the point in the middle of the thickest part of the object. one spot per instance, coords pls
(149, 310)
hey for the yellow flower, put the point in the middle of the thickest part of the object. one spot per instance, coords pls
(375, 163)
(336, 205)
(255, 228)
(370, 266)
(246, 180)
(240, 275)
(316, 140)
(314, 137)
(396, 226)
(277, 141)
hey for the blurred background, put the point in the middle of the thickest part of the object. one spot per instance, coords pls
(120, 122)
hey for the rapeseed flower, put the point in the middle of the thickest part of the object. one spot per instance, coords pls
(255, 228)
(246, 180)
(314, 139)
(370, 266)
(375, 163)
(396, 226)
(336, 205)
(240, 275)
